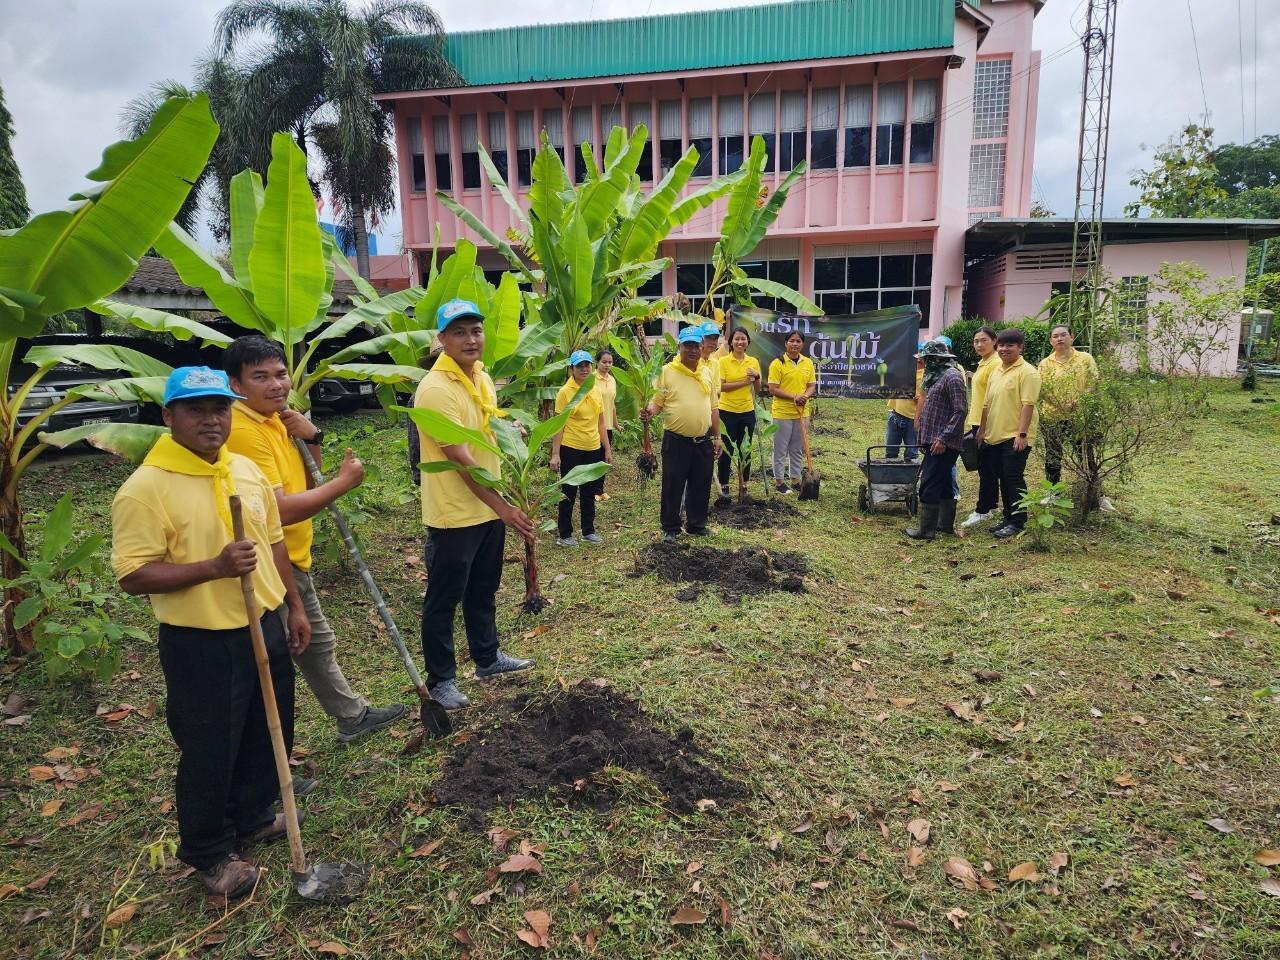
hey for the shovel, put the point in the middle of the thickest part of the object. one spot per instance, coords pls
(324, 882)
(810, 480)
(435, 721)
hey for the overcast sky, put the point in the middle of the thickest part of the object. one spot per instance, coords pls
(69, 66)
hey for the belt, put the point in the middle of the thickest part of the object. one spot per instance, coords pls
(680, 436)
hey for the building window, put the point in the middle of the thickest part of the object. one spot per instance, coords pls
(891, 117)
(498, 143)
(991, 99)
(700, 134)
(651, 291)
(761, 123)
(1131, 305)
(857, 126)
(469, 132)
(443, 160)
(785, 271)
(610, 117)
(670, 135)
(924, 120)
(861, 279)
(692, 280)
(640, 114)
(826, 124)
(417, 155)
(730, 129)
(791, 148)
(526, 147)
(580, 119)
(986, 174)
(553, 127)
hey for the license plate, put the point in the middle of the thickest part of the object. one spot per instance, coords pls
(366, 389)
(94, 420)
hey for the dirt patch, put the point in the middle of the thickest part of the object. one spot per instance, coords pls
(543, 744)
(753, 514)
(735, 573)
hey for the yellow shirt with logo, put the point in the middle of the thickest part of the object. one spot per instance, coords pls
(1064, 383)
(266, 441)
(712, 365)
(172, 518)
(447, 502)
(740, 399)
(1008, 391)
(607, 387)
(582, 431)
(978, 387)
(686, 397)
(904, 407)
(791, 378)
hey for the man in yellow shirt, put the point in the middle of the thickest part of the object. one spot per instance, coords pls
(1066, 374)
(466, 521)
(711, 351)
(792, 383)
(901, 427)
(984, 345)
(691, 438)
(172, 540)
(263, 428)
(584, 440)
(1009, 421)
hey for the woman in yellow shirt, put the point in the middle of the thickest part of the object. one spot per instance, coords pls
(607, 387)
(584, 439)
(739, 380)
(792, 382)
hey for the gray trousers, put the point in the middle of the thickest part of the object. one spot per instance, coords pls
(319, 662)
(788, 450)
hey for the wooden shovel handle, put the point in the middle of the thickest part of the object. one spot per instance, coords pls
(804, 438)
(297, 856)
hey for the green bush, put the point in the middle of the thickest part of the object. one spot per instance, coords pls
(961, 333)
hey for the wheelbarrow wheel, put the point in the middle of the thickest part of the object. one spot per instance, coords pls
(913, 504)
(864, 503)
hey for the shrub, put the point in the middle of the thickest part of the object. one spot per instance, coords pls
(1047, 506)
(961, 333)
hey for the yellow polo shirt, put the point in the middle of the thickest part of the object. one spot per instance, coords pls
(712, 364)
(791, 378)
(1008, 391)
(685, 397)
(266, 441)
(741, 399)
(607, 387)
(582, 432)
(172, 518)
(907, 408)
(1065, 382)
(446, 500)
(978, 387)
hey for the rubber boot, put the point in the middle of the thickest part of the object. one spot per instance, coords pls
(928, 523)
(947, 517)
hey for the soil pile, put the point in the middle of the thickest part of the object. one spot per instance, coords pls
(753, 514)
(554, 744)
(735, 573)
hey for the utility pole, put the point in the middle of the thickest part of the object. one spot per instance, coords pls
(1098, 43)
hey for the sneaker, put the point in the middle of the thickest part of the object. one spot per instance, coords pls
(1006, 531)
(504, 664)
(670, 537)
(593, 538)
(449, 696)
(566, 541)
(1105, 505)
(975, 518)
(699, 532)
(303, 785)
(782, 488)
(271, 831)
(724, 490)
(232, 878)
(373, 718)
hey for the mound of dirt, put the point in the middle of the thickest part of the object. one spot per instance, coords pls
(753, 514)
(542, 744)
(735, 573)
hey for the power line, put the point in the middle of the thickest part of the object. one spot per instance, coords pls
(1195, 45)
(1244, 130)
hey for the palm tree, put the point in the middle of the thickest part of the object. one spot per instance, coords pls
(316, 75)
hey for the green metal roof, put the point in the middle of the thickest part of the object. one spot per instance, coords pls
(774, 33)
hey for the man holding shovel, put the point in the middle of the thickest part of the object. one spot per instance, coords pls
(466, 522)
(263, 429)
(172, 539)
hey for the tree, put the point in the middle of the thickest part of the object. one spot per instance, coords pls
(1183, 179)
(316, 75)
(1249, 166)
(14, 211)
(1041, 210)
(1191, 320)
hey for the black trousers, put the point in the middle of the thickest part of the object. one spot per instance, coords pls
(935, 475)
(464, 565)
(570, 458)
(1013, 479)
(687, 462)
(988, 478)
(1053, 437)
(741, 428)
(226, 785)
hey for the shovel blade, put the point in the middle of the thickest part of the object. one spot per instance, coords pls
(335, 883)
(435, 719)
(809, 483)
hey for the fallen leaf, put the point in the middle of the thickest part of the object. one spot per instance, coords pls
(919, 828)
(915, 796)
(540, 923)
(427, 849)
(820, 884)
(1024, 871)
(687, 916)
(86, 813)
(996, 573)
(1138, 719)
(957, 916)
(692, 867)
(532, 939)
(961, 709)
(1029, 690)
(7, 890)
(33, 915)
(58, 754)
(1175, 595)
(520, 863)
(15, 704)
(1198, 895)
(120, 916)
(905, 925)
(958, 868)
(50, 807)
(1268, 858)
(1269, 886)
(966, 576)
(1057, 862)
(902, 701)
(726, 914)
(1125, 780)
(537, 631)
(706, 804)
(483, 897)
(19, 721)
(987, 676)
(559, 576)
(946, 786)
(804, 826)
(42, 773)
(40, 883)
(915, 857)
(463, 937)
(501, 836)
(333, 947)
(149, 710)
(1217, 823)
(1095, 713)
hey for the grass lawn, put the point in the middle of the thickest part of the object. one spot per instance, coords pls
(1119, 716)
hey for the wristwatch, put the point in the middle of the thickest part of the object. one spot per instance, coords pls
(1022, 436)
(319, 437)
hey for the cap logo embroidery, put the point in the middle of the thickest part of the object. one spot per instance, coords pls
(202, 378)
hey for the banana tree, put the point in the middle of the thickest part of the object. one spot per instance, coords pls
(70, 259)
(637, 372)
(522, 480)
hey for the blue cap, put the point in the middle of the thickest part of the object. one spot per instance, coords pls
(579, 356)
(945, 339)
(710, 329)
(456, 309)
(188, 383)
(691, 334)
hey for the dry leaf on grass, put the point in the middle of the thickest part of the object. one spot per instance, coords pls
(961, 710)
(1125, 780)
(427, 849)
(58, 754)
(40, 883)
(946, 786)
(1270, 886)
(120, 916)
(7, 890)
(520, 863)
(482, 898)
(540, 923)
(902, 701)
(42, 773)
(804, 826)
(692, 867)
(50, 807)
(1217, 823)
(1058, 862)
(957, 916)
(463, 937)
(537, 631)
(1138, 720)
(686, 916)
(501, 836)
(919, 828)
(915, 857)
(1024, 872)
(333, 947)
(820, 884)
(960, 869)
(1268, 858)
(987, 676)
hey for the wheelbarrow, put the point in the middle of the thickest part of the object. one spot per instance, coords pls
(889, 481)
